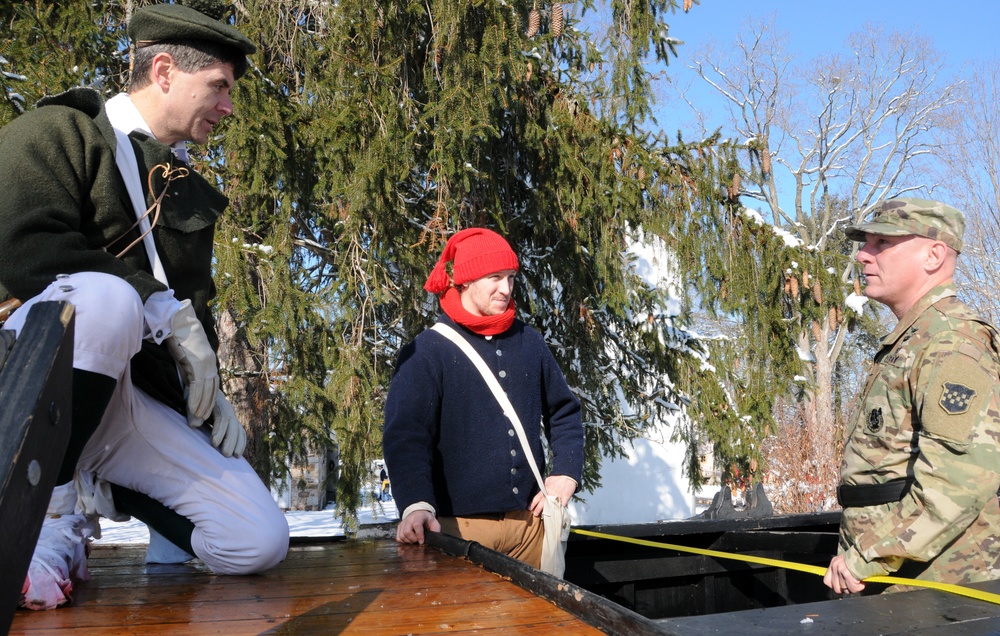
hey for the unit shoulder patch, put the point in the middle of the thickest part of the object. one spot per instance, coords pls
(956, 398)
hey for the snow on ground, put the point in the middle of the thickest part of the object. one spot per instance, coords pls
(301, 523)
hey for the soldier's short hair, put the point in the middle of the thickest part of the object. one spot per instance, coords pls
(189, 55)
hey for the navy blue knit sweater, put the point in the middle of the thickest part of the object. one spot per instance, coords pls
(446, 440)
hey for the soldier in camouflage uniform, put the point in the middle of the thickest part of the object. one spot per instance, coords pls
(920, 475)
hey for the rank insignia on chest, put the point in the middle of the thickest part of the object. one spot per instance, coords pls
(874, 420)
(956, 398)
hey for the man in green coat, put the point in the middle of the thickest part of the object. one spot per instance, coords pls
(921, 465)
(102, 210)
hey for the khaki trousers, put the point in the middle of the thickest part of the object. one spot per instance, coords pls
(516, 533)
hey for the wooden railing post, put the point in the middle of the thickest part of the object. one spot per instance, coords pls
(36, 376)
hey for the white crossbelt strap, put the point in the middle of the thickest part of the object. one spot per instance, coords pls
(123, 116)
(498, 393)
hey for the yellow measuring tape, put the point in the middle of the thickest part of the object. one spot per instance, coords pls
(801, 567)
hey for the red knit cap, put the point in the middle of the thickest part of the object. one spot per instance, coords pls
(475, 252)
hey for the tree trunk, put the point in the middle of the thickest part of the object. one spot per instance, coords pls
(821, 424)
(244, 381)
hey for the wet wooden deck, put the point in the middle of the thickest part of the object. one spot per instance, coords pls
(342, 587)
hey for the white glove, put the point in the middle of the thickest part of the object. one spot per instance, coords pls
(195, 358)
(228, 434)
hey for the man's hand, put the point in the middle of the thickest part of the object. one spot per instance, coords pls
(839, 578)
(189, 346)
(558, 485)
(228, 434)
(411, 529)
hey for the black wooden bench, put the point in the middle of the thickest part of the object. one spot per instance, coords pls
(35, 416)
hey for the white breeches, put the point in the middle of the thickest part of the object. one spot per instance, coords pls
(148, 447)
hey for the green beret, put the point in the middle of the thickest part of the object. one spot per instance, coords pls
(160, 22)
(902, 217)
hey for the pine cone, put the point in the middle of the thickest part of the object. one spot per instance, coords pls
(817, 332)
(831, 318)
(805, 278)
(765, 161)
(788, 284)
(734, 187)
(795, 287)
(687, 5)
(817, 293)
(533, 20)
(556, 19)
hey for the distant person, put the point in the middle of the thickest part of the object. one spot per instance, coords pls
(101, 209)
(457, 463)
(383, 480)
(920, 473)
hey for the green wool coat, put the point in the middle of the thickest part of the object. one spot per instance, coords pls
(65, 209)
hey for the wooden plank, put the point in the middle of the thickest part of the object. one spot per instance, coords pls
(407, 607)
(806, 522)
(346, 587)
(35, 421)
(147, 590)
(587, 606)
(660, 583)
(921, 612)
(788, 542)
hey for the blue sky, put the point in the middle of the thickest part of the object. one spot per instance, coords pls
(959, 31)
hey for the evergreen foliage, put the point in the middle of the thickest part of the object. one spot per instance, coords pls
(366, 133)
(51, 46)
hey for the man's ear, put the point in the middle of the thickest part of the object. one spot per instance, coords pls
(160, 70)
(936, 255)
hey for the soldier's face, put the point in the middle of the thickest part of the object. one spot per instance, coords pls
(197, 101)
(893, 269)
(489, 295)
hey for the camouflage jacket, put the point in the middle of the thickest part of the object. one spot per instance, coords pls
(930, 410)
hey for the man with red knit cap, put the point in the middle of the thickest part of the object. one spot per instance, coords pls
(458, 466)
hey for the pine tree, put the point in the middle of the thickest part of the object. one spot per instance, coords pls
(51, 46)
(366, 133)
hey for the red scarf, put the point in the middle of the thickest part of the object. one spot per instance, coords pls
(451, 303)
